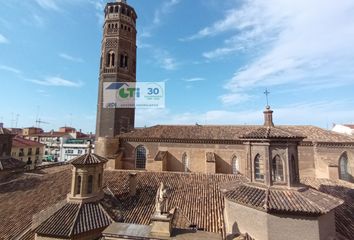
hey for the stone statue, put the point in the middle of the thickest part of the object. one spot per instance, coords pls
(162, 200)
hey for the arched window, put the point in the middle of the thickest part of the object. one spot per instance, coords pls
(78, 185)
(294, 169)
(258, 168)
(277, 169)
(89, 184)
(123, 60)
(344, 168)
(111, 9)
(140, 157)
(116, 9)
(185, 162)
(111, 57)
(235, 165)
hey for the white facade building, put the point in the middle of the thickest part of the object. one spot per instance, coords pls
(344, 128)
(73, 148)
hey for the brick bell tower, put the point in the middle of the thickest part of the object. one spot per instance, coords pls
(118, 64)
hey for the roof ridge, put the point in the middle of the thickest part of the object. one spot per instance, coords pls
(76, 220)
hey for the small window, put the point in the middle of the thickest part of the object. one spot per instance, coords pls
(99, 183)
(235, 165)
(344, 168)
(258, 168)
(89, 184)
(277, 169)
(185, 162)
(111, 9)
(140, 157)
(78, 185)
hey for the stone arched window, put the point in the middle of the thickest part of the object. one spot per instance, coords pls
(235, 165)
(89, 184)
(277, 169)
(294, 170)
(140, 157)
(258, 168)
(185, 162)
(111, 59)
(344, 168)
(78, 185)
(124, 60)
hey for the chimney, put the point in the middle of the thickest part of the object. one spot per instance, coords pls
(268, 117)
(132, 184)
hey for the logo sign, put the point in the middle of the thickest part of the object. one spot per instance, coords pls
(134, 95)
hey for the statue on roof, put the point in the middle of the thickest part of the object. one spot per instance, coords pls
(162, 198)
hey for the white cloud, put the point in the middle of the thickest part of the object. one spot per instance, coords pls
(56, 82)
(3, 39)
(194, 79)
(322, 114)
(70, 58)
(303, 43)
(48, 4)
(234, 98)
(10, 69)
(166, 8)
(164, 59)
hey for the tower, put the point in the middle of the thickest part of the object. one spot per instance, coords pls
(118, 64)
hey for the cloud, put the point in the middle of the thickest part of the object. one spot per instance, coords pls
(56, 82)
(195, 79)
(290, 43)
(234, 98)
(165, 60)
(3, 39)
(71, 58)
(10, 69)
(321, 113)
(166, 8)
(48, 4)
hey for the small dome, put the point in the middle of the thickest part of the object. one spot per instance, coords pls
(88, 159)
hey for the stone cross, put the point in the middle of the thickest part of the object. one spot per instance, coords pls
(267, 96)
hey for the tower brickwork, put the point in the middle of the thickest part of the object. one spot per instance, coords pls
(118, 64)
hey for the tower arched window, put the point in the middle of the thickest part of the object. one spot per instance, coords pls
(123, 60)
(294, 169)
(140, 157)
(344, 168)
(89, 184)
(258, 168)
(111, 9)
(185, 162)
(116, 9)
(277, 169)
(111, 57)
(235, 165)
(78, 185)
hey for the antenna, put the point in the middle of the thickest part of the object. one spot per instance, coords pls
(17, 119)
(39, 122)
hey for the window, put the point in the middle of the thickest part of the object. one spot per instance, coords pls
(277, 169)
(258, 168)
(294, 169)
(79, 151)
(78, 185)
(123, 61)
(185, 162)
(140, 157)
(21, 153)
(89, 184)
(235, 165)
(344, 168)
(29, 152)
(99, 180)
(37, 151)
(111, 57)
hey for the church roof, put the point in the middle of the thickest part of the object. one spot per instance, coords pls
(301, 201)
(270, 133)
(233, 133)
(88, 159)
(198, 197)
(74, 219)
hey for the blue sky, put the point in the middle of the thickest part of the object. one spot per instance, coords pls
(216, 57)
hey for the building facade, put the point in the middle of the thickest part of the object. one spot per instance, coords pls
(30, 152)
(73, 148)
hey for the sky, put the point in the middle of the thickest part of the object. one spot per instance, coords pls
(216, 58)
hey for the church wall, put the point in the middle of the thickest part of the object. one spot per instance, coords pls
(306, 161)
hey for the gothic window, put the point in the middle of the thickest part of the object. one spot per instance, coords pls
(89, 184)
(111, 59)
(294, 169)
(116, 26)
(78, 185)
(277, 169)
(140, 157)
(111, 9)
(123, 11)
(344, 168)
(258, 168)
(116, 9)
(123, 61)
(235, 165)
(185, 162)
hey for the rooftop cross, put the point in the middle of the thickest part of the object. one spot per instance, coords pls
(267, 96)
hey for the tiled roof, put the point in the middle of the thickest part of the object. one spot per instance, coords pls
(20, 142)
(11, 164)
(270, 133)
(88, 159)
(271, 199)
(74, 219)
(197, 196)
(228, 133)
(49, 134)
(4, 131)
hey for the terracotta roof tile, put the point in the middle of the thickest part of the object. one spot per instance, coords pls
(270, 133)
(88, 159)
(11, 164)
(20, 142)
